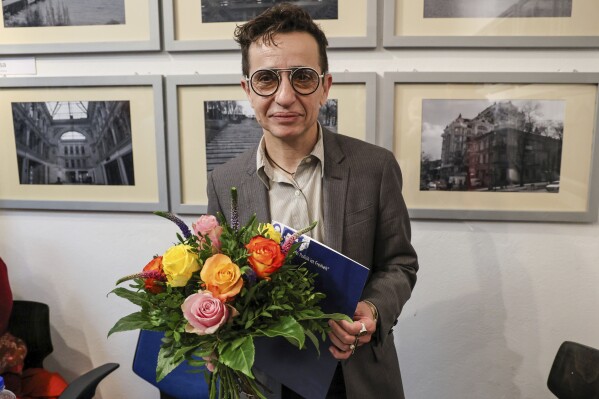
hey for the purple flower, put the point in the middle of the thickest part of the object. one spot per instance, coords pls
(184, 229)
(234, 210)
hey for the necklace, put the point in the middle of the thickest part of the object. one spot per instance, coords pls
(279, 166)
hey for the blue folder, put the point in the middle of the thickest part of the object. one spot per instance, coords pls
(179, 383)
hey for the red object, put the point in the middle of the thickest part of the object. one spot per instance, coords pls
(5, 298)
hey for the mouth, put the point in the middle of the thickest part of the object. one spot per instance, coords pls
(285, 116)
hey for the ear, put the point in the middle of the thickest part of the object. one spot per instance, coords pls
(326, 86)
(246, 87)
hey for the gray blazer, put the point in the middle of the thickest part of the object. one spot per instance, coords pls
(366, 219)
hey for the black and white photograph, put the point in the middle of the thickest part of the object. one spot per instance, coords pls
(74, 142)
(231, 128)
(244, 10)
(490, 146)
(497, 8)
(38, 13)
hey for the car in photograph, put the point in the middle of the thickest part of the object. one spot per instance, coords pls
(432, 185)
(553, 187)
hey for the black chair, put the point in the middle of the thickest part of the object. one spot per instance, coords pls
(575, 372)
(30, 321)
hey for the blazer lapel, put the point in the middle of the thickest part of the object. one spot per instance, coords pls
(253, 195)
(335, 191)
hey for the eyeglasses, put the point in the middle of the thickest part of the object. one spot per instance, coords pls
(304, 80)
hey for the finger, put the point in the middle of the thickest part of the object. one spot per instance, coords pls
(342, 346)
(341, 333)
(339, 355)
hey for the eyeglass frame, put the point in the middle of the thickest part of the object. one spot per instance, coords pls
(277, 72)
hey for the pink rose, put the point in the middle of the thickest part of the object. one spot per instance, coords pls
(207, 225)
(204, 313)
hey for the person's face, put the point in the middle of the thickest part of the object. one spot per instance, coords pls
(287, 115)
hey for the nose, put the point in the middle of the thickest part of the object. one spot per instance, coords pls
(285, 95)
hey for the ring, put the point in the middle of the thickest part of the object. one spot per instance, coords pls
(363, 330)
(352, 348)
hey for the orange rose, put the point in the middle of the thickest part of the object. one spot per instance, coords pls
(155, 265)
(265, 256)
(222, 277)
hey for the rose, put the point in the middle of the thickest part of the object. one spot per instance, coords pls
(207, 225)
(178, 263)
(222, 277)
(204, 313)
(265, 256)
(151, 284)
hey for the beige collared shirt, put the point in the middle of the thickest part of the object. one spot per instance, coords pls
(296, 201)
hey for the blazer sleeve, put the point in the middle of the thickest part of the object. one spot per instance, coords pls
(395, 261)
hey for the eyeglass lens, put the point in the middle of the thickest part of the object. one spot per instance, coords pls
(265, 82)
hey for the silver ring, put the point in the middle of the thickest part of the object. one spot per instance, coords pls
(363, 330)
(352, 348)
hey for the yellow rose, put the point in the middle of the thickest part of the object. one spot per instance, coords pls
(222, 277)
(268, 231)
(178, 263)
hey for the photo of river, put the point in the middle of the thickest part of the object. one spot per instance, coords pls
(35, 13)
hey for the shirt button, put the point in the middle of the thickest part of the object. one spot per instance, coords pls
(297, 193)
(308, 160)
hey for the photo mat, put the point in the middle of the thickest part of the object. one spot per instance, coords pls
(536, 184)
(114, 162)
(491, 23)
(79, 26)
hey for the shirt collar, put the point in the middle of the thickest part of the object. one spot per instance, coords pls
(265, 170)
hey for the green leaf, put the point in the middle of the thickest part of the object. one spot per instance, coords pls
(138, 298)
(314, 340)
(134, 321)
(238, 355)
(289, 328)
(166, 363)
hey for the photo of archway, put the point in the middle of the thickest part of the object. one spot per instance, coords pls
(74, 142)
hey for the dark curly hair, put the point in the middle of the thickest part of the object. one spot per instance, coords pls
(281, 18)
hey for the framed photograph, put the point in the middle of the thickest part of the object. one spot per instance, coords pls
(191, 25)
(83, 143)
(211, 121)
(491, 23)
(79, 26)
(496, 146)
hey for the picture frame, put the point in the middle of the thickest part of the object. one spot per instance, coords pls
(184, 30)
(500, 162)
(83, 144)
(430, 23)
(125, 26)
(189, 125)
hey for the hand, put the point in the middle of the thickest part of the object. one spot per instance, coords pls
(344, 334)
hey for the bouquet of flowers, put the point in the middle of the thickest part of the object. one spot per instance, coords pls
(216, 290)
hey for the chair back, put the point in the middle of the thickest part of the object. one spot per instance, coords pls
(179, 383)
(575, 372)
(30, 321)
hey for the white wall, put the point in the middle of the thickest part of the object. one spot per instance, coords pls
(493, 302)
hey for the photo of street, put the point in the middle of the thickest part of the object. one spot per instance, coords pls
(244, 10)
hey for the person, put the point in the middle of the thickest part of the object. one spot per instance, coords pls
(300, 172)
(26, 383)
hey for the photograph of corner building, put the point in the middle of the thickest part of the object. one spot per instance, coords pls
(497, 8)
(77, 142)
(511, 145)
(244, 10)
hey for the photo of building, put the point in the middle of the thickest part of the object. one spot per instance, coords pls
(79, 142)
(497, 8)
(243, 10)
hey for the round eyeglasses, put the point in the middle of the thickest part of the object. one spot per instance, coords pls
(265, 82)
